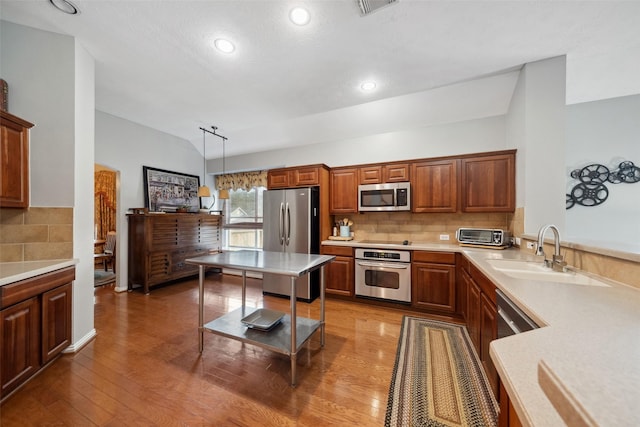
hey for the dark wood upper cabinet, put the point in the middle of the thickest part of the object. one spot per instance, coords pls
(396, 172)
(302, 176)
(14, 161)
(378, 174)
(343, 190)
(488, 183)
(434, 186)
(370, 175)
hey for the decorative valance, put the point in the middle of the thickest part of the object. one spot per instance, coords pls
(241, 180)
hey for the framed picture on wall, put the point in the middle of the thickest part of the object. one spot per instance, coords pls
(167, 191)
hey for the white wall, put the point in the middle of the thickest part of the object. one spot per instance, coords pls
(39, 68)
(536, 122)
(471, 136)
(51, 83)
(127, 147)
(83, 212)
(605, 132)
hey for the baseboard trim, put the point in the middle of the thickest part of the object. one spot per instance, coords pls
(78, 345)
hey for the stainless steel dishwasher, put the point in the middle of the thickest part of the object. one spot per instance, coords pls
(511, 320)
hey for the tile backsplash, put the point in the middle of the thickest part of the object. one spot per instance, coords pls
(36, 234)
(420, 227)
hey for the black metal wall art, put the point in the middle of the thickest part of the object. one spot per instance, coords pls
(591, 190)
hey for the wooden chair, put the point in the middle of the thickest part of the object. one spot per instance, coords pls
(109, 253)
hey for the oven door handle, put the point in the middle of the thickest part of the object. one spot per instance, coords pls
(399, 266)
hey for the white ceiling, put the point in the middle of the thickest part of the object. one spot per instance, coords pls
(286, 84)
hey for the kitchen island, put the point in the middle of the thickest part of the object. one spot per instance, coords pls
(292, 332)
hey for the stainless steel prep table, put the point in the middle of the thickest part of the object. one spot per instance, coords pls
(287, 338)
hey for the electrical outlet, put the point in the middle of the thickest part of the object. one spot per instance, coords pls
(444, 237)
(531, 245)
(517, 239)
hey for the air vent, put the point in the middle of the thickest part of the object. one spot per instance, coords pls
(370, 6)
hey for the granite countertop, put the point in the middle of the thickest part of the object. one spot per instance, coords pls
(11, 272)
(584, 361)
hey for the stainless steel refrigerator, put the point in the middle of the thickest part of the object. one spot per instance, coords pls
(291, 223)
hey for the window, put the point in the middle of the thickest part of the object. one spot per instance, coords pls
(243, 219)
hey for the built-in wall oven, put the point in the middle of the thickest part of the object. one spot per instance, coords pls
(384, 274)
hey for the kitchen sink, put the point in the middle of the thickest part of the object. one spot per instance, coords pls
(530, 270)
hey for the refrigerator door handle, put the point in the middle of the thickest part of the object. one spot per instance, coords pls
(288, 227)
(281, 224)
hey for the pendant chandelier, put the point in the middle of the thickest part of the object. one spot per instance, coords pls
(203, 190)
(224, 193)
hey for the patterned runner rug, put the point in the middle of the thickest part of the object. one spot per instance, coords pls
(438, 379)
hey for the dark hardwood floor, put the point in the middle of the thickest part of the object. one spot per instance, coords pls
(144, 368)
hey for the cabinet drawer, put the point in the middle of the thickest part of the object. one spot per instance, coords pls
(159, 266)
(19, 291)
(435, 257)
(337, 250)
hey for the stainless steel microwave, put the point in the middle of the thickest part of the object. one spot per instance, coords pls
(483, 236)
(394, 196)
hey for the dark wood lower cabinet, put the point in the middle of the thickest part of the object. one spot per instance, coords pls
(433, 281)
(20, 338)
(473, 313)
(339, 278)
(488, 333)
(508, 416)
(481, 317)
(56, 321)
(35, 325)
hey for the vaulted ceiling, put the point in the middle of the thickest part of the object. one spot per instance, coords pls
(433, 61)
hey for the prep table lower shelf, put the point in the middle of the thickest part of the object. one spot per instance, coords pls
(277, 339)
(293, 331)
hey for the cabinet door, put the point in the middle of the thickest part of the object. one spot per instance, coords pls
(277, 178)
(433, 287)
(305, 177)
(339, 276)
(434, 186)
(19, 344)
(344, 191)
(473, 313)
(56, 321)
(488, 333)
(14, 161)
(370, 175)
(397, 172)
(462, 287)
(488, 183)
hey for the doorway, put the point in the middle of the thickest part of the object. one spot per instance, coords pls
(105, 225)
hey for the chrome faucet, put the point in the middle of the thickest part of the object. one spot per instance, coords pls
(557, 263)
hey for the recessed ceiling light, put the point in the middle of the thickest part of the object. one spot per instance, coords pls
(368, 86)
(224, 45)
(299, 16)
(65, 6)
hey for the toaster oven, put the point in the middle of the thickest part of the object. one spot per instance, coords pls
(484, 237)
